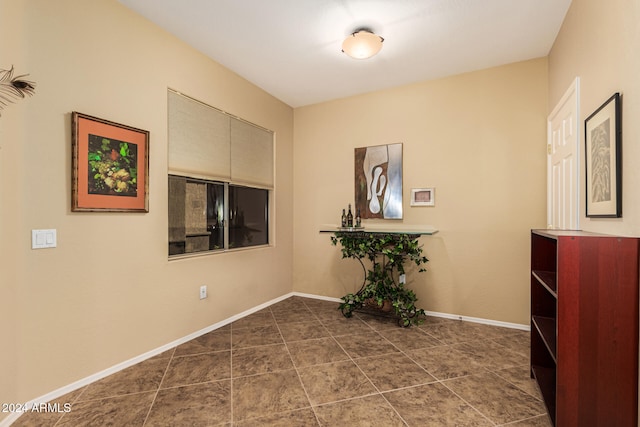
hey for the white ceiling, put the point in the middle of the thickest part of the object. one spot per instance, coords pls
(292, 48)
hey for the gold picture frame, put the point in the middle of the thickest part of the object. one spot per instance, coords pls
(110, 166)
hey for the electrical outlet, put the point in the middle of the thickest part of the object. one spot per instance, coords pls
(203, 291)
(402, 279)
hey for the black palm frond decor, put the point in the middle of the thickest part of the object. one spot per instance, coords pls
(14, 88)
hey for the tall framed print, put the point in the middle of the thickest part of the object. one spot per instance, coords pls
(378, 181)
(603, 160)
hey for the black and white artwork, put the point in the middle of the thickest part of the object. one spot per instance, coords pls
(603, 164)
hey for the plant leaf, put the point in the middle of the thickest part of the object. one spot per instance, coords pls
(14, 88)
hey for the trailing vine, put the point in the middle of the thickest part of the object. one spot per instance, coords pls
(388, 253)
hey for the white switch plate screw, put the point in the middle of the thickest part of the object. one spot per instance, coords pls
(203, 291)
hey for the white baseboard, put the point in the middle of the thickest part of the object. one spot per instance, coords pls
(480, 320)
(135, 360)
(438, 314)
(320, 297)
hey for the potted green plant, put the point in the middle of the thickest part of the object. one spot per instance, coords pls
(382, 289)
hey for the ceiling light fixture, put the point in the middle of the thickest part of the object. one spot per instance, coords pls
(362, 44)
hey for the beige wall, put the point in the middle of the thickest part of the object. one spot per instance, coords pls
(479, 139)
(107, 293)
(599, 42)
(10, 209)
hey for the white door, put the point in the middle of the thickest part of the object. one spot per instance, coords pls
(563, 165)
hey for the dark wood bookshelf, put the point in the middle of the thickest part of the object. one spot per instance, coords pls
(584, 326)
(546, 327)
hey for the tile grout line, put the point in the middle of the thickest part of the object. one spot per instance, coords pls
(380, 333)
(486, 370)
(468, 345)
(153, 401)
(379, 393)
(468, 403)
(510, 423)
(436, 378)
(496, 372)
(442, 381)
(72, 403)
(286, 346)
(231, 374)
(402, 388)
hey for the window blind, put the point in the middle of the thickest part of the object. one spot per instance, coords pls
(199, 139)
(251, 154)
(206, 142)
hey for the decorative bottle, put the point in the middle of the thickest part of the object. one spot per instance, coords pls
(358, 219)
(349, 217)
(344, 219)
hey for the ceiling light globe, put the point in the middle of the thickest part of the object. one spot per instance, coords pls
(362, 44)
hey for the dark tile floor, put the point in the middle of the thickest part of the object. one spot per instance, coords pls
(301, 363)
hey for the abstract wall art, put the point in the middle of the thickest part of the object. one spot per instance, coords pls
(378, 181)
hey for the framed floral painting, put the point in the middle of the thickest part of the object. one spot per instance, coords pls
(110, 166)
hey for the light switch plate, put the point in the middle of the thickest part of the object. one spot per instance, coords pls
(41, 239)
